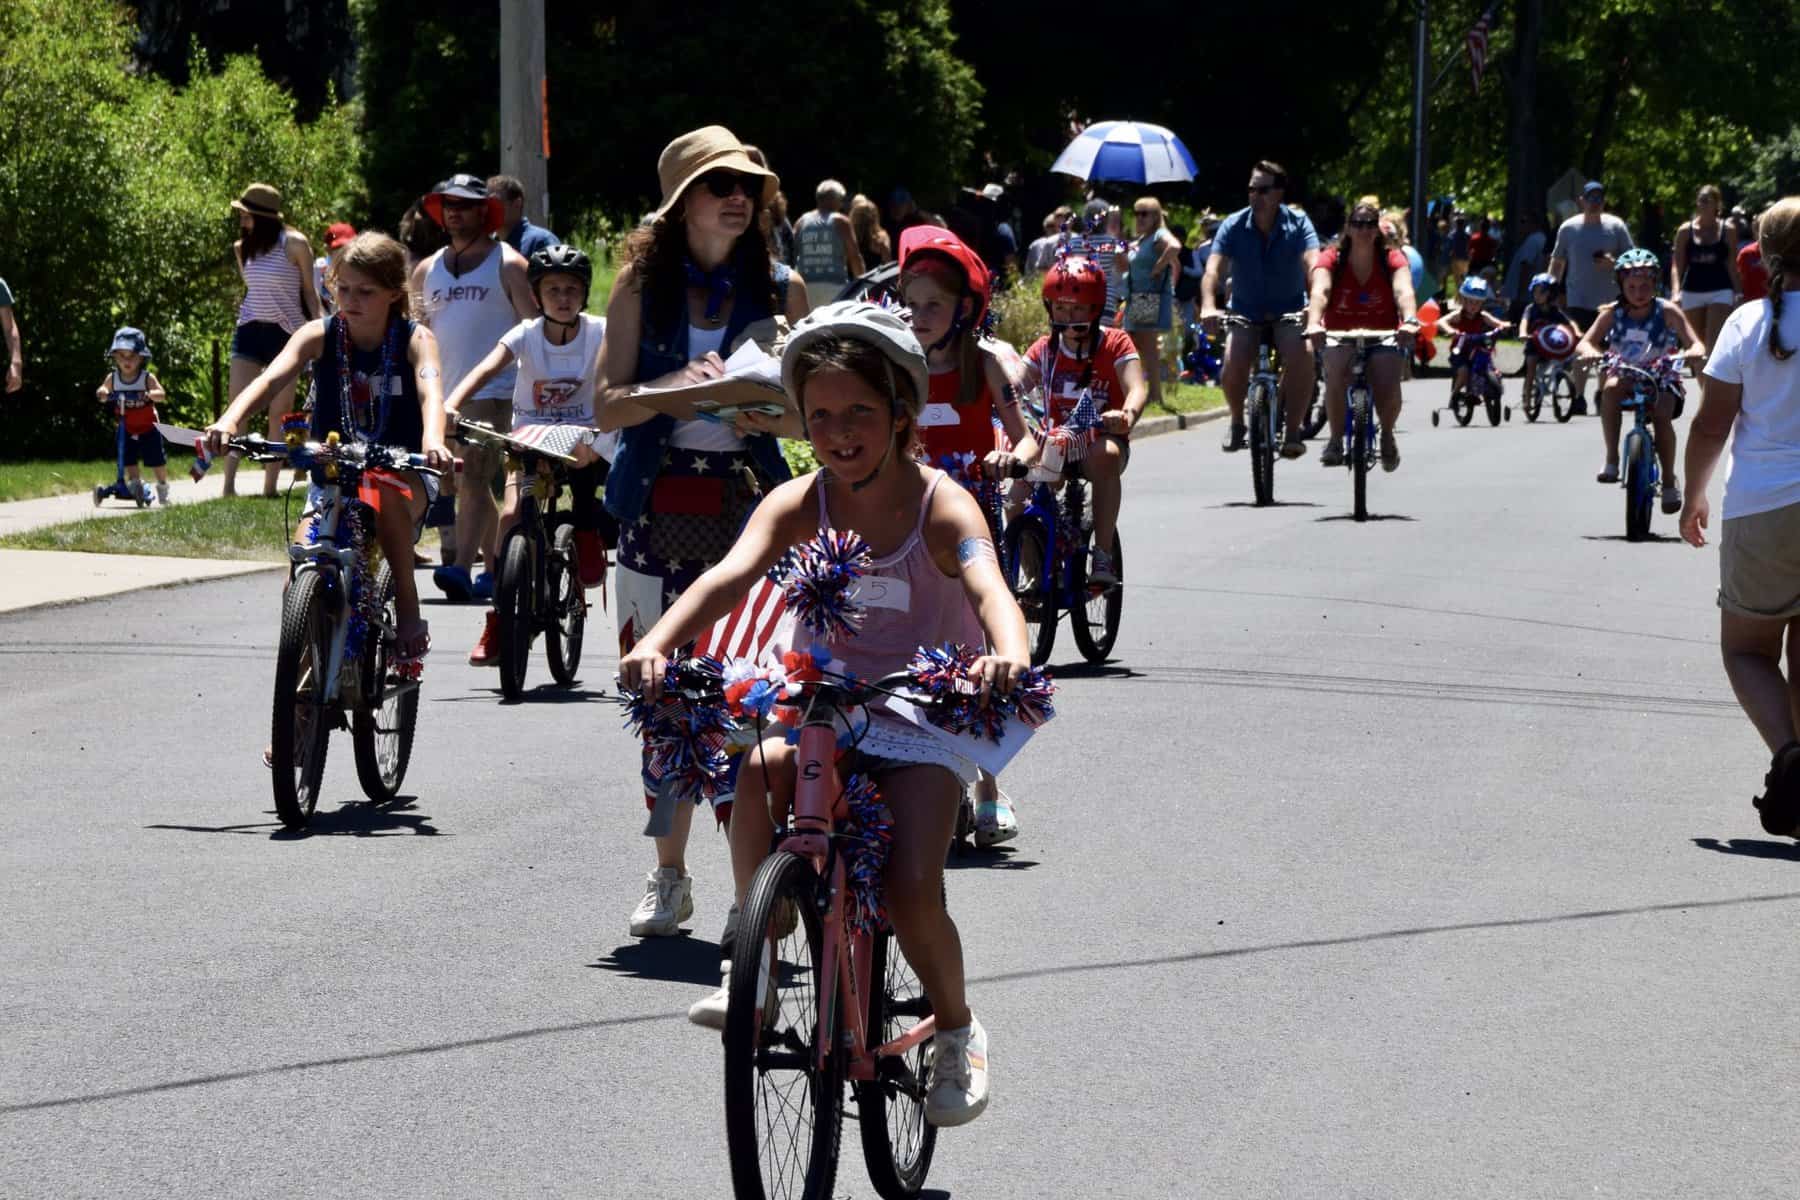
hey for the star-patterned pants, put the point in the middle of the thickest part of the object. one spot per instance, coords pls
(648, 582)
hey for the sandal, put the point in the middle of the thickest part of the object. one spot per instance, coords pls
(1779, 805)
(1610, 475)
(411, 646)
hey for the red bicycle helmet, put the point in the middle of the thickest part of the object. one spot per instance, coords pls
(1075, 279)
(921, 244)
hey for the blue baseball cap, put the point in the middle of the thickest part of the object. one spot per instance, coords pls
(131, 339)
(1593, 187)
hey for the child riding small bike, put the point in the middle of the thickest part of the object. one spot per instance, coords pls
(134, 394)
(1471, 321)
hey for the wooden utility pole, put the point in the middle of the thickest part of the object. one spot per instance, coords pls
(524, 134)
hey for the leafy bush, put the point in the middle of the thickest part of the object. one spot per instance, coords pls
(1773, 171)
(115, 193)
(1019, 316)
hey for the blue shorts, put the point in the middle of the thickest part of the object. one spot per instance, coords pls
(258, 341)
(146, 448)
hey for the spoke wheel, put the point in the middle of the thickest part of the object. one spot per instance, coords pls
(1261, 424)
(1030, 578)
(381, 730)
(1095, 622)
(514, 606)
(568, 608)
(1359, 455)
(1640, 486)
(299, 728)
(1562, 397)
(897, 1140)
(783, 1112)
(1533, 399)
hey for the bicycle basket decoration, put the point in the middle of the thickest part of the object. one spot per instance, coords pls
(686, 739)
(1554, 341)
(818, 581)
(1068, 440)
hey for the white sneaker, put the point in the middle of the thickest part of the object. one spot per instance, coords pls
(1671, 495)
(708, 1012)
(995, 820)
(162, 494)
(958, 1089)
(668, 901)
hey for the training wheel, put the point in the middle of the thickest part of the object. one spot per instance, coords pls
(1434, 416)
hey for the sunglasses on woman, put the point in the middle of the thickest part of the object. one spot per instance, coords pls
(723, 183)
(1361, 224)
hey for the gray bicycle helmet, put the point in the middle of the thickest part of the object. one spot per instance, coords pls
(885, 329)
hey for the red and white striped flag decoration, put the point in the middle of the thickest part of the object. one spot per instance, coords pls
(750, 627)
(1478, 44)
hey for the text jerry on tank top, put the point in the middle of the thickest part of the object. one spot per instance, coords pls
(469, 314)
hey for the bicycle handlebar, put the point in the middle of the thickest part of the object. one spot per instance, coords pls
(1239, 321)
(353, 454)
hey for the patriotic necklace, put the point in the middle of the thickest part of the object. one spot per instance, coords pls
(361, 428)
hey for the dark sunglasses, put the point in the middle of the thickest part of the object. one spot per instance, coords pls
(723, 183)
(1262, 189)
(1364, 224)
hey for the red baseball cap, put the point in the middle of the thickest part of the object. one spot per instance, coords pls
(339, 233)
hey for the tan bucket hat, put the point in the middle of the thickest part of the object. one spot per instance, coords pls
(259, 200)
(694, 154)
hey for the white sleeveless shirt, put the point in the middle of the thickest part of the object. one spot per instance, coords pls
(469, 314)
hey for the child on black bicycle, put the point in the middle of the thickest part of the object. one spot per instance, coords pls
(859, 376)
(559, 356)
(134, 394)
(1471, 317)
(375, 382)
(1640, 329)
(1548, 330)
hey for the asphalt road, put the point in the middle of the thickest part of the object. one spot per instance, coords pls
(1407, 859)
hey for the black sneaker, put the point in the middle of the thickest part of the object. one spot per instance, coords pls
(1779, 807)
(1234, 439)
(1578, 406)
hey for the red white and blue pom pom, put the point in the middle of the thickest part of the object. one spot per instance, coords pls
(819, 582)
(955, 704)
(685, 740)
(868, 840)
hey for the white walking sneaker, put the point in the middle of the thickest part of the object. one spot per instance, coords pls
(957, 1091)
(995, 820)
(709, 1011)
(668, 901)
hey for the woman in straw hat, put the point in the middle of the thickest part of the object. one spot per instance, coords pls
(279, 297)
(696, 276)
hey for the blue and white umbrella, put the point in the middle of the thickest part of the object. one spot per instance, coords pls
(1127, 152)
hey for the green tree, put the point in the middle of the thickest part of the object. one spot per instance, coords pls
(114, 206)
(1771, 172)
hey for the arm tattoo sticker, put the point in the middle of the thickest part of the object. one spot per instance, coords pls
(975, 549)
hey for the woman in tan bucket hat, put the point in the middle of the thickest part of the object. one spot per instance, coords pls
(696, 276)
(279, 296)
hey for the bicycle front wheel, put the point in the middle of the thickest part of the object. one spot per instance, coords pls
(299, 730)
(1562, 397)
(1462, 407)
(514, 608)
(1095, 622)
(381, 731)
(568, 608)
(1532, 399)
(1260, 410)
(1640, 487)
(1033, 584)
(1360, 450)
(783, 1111)
(897, 1140)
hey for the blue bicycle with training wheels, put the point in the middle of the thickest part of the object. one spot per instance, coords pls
(1640, 471)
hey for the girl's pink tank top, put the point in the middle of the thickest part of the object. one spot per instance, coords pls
(908, 603)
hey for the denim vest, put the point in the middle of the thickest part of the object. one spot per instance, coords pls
(635, 466)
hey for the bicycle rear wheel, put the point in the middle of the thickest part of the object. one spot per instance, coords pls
(783, 1113)
(514, 606)
(1562, 397)
(1462, 407)
(1531, 398)
(1259, 410)
(1033, 584)
(1095, 620)
(568, 608)
(1640, 487)
(381, 730)
(897, 1140)
(299, 730)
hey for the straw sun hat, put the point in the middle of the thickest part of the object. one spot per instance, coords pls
(711, 148)
(259, 200)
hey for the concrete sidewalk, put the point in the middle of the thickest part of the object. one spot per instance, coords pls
(34, 578)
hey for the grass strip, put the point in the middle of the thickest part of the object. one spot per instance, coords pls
(249, 528)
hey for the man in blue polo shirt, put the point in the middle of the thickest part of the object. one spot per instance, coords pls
(1269, 251)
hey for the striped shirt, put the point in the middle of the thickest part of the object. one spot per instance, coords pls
(272, 289)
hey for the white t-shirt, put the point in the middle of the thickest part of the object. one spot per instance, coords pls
(711, 436)
(555, 384)
(1765, 441)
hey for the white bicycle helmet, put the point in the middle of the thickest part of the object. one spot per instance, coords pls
(885, 329)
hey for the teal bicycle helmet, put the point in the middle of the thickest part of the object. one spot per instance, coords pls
(1633, 259)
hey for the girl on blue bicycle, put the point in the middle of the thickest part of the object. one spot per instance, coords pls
(1640, 329)
(859, 376)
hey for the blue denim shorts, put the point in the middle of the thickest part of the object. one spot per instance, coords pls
(258, 341)
(146, 448)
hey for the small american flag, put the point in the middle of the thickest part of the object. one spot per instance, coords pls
(1478, 44)
(750, 628)
(550, 438)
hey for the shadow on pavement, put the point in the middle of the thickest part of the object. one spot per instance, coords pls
(992, 858)
(352, 820)
(1663, 538)
(1370, 517)
(1752, 847)
(1271, 504)
(1086, 670)
(543, 693)
(684, 959)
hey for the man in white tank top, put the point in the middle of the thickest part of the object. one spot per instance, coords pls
(472, 291)
(825, 243)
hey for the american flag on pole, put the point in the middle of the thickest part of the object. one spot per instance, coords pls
(1477, 42)
(750, 629)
